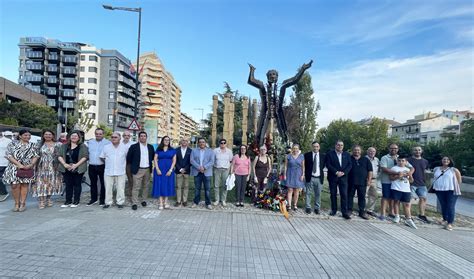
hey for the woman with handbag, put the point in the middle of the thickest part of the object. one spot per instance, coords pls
(49, 180)
(22, 156)
(446, 185)
(72, 164)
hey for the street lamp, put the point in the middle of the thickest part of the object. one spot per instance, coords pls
(139, 11)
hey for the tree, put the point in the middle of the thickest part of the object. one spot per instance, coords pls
(461, 148)
(28, 115)
(107, 131)
(301, 113)
(81, 120)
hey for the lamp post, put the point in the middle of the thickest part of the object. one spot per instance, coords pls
(139, 11)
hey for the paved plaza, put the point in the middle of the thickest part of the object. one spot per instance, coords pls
(222, 243)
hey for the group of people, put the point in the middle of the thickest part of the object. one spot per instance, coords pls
(124, 170)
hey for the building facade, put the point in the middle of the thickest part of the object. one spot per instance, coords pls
(187, 127)
(424, 130)
(50, 67)
(107, 84)
(12, 92)
(161, 95)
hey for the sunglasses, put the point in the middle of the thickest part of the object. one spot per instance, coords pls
(222, 143)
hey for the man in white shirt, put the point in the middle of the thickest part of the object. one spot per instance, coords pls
(126, 136)
(223, 158)
(314, 162)
(115, 157)
(4, 142)
(372, 189)
(96, 166)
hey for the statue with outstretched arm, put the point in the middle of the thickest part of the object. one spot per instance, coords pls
(281, 122)
(263, 96)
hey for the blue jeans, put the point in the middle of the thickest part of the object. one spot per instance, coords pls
(313, 186)
(198, 181)
(447, 200)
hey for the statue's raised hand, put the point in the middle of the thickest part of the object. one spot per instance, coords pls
(307, 65)
(252, 68)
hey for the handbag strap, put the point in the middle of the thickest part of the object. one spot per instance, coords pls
(442, 173)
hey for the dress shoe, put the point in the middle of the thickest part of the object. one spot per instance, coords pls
(120, 206)
(308, 210)
(106, 206)
(347, 217)
(364, 216)
(177, 204)
(332, 213)
(143, 203)
(316, 211)
(185, 204)
(134, 207)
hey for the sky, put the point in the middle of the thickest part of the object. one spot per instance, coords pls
(388, 59)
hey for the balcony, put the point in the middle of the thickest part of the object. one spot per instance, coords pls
(126, 111)
(126, 70)
(67, 71)
(52, 80)
(125, 90)
(53, 57)
(68, 104)
(126, 81)
(69, 59)
(51, 91)
(34, 88)
(51, 102)
(52, 69)
(69, 82)
(34, 66)
(68, 93)
(34, 54)
(126, 101)
(122, 124)
(34, 78)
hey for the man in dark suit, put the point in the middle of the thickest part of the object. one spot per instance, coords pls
(140, 157)
(338, 163)
(314, 175)
(182, 170)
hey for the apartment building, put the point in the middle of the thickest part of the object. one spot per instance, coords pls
(50, 67)
(429, 128)
(187, 126)
(161, 95)
(107, 84)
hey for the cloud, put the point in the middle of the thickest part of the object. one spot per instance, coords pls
(397, 88)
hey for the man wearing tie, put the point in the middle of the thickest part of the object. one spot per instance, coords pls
(314, 175)
(339, 164)
(202, 160)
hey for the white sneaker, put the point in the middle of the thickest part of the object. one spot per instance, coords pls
(224, 204)
(216, 203)
(194, 205)
(65, 205)
(410, 223)
(209, 207)
(74, 205)
(396, 219)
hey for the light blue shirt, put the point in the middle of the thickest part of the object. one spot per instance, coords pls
(95, 149)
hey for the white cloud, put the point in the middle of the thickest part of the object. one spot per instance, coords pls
(397, 88)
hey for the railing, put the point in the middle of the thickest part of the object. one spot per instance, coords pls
(69, 59)
(34, 66)
(34, 78)
(34, 54)
(68, 93)
(51, 91)
(70, 82)
(69, 71)
(52, 68)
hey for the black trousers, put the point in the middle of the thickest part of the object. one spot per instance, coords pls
(361, 191)
(73, 182)
(334, 184)
(96, 172)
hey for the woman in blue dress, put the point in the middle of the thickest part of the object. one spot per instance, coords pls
(294, 170)
(163, 174)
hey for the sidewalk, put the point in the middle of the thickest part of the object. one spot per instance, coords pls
(222, 243)
(463, 206)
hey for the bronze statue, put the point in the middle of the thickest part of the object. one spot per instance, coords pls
(271, 106)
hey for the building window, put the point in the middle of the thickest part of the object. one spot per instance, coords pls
(92, 80)
(92, 69)
(114, 62)
(93, 58)
(110, 119)
(83, 69)
(112, 95)
(91, 115)
(111, 105)
(91, 102)
(81, 91)
(112, 84)
(112, 73)
(81, 79)
(92, 91)
(83, 58)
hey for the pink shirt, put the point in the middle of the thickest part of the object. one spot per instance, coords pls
(241, 166)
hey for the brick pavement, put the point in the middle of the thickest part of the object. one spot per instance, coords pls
(222, 243)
